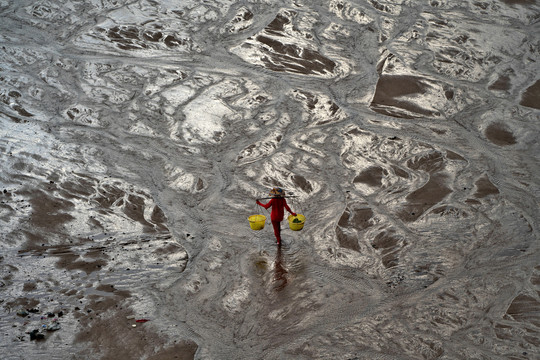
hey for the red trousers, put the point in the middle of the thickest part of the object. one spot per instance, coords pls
(277, 230)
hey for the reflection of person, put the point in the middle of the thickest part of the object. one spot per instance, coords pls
(280, 272)
(278, 203)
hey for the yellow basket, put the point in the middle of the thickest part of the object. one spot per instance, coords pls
(256, 222)
(295, 226)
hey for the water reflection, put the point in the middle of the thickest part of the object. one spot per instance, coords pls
(280, 272)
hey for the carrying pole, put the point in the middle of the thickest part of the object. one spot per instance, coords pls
(273, 197)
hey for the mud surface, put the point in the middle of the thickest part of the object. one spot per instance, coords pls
(136, 135)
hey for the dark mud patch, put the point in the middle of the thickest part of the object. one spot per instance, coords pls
(95, 252)
(432, 192)
(109, 288)
(277, 26)
(454, 156)
(485, 187)
(352, 220)
(321, 109)
(184, 350)
(371, 176)
(400, 172)
(241, 21)
(500, 135)
(129, 37)
(109, 195)
(110, 329)
(292, 58)
(71, 261)
(48, 212)
(134, 209)
(112, 335)
(280, 47)
(13, 118)
(7, 211)
(424, 198)
(166, 250)
(531, 96)
(79, 187)
(430, 163)
(93, 259)
(159, 219)
(99, 304)
(126, 37)
(133, 205)
(519, 2)
(389, 246)
(356, 218)
(390, 90)
(302, 183)
(29, 286)
(450, 211)
(503, 332)
(525, 308)
(501, 84)
(346, 240)
(23, 303)
(171, 253)
(398, 85)
(21, 111)
(535, 279)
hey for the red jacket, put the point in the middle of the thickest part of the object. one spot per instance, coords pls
(277, 205)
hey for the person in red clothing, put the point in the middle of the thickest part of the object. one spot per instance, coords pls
(278, 204)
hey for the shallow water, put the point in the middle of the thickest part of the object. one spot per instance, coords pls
(136, 135)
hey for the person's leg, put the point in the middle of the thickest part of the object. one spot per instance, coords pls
(277, 230)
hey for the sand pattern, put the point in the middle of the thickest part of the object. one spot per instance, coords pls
(135, 137)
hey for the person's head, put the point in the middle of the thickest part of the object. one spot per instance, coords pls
(277, 192)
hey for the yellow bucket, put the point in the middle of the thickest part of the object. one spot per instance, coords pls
(257, 222)
(298, 224)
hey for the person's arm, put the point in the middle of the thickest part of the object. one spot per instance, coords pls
(288, 208)
(266, 206)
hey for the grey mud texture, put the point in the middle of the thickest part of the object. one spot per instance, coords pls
(136, 135)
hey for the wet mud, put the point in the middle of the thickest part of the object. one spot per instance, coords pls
(136, 136)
